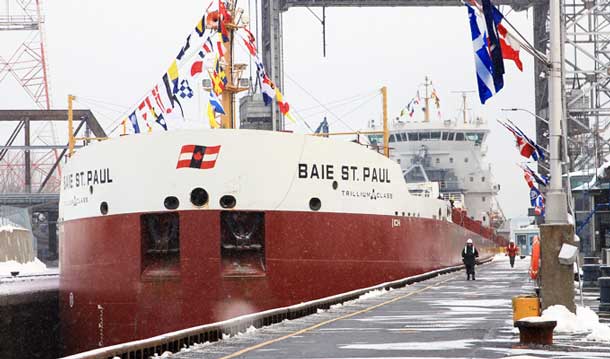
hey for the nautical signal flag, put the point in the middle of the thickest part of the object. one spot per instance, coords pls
(194, 156)
(216, 104)
(486, 78)
(527, 147)
(531, 175)
(492, 19)
(212, 117)
(510, 47)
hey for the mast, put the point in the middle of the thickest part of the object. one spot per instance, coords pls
(464, 109)
(427, 99)
(233, 73)
(386, 134)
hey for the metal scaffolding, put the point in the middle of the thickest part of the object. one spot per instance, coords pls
(586, 69)
(27, 64)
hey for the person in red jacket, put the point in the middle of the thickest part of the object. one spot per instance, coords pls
(512, 250)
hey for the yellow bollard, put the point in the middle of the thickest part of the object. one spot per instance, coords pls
(525, 306)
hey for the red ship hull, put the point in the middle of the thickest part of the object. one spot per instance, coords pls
(106, 297)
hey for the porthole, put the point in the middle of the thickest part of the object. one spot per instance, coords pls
(104, 208)
(171, 202)
(396, 213)
(199, 197)
(335, 185)
(227, 201)
(315, 204)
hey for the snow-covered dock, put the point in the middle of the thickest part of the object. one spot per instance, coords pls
(444, 317)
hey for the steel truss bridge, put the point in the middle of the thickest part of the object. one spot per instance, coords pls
(586, 36)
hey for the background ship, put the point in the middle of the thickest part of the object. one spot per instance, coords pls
(446, 159)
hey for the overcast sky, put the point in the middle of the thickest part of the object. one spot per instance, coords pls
(114, 51)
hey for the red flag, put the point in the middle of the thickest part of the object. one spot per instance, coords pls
(196, 68)
(251, 47)
(525, 148)
(528, 179)
(225, 17)
(510, 47)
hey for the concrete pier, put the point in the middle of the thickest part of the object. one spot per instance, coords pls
(444, 317)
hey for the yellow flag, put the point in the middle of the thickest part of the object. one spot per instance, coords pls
(290, 117)
(173, 71)
(212, 116)
(278, 95)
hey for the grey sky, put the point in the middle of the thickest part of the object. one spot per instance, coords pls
(116, 51)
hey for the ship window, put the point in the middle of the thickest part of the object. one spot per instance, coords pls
(451, 136)
(483, 179)
(160, 241)
(413, 136)
(471, 179)
(483, 218)
(483, 198)
(403, 136)
(242, 243)
(375, 139)
(459, 136)
(438, 160)
(450, 159)
(465, 159)
(477, 138)
(424, 136)
(398, 138)
(392, 138)
(445, 135)
(435, 135)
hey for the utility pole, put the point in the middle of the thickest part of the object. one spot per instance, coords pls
(556, 280)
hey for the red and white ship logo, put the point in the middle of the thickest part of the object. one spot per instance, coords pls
(194, 156)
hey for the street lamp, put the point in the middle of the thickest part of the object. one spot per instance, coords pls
(528, 111)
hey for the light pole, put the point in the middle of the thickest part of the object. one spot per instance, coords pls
(556, 280)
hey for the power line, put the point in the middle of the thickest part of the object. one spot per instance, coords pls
(318, 101)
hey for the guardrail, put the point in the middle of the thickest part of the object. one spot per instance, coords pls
(175, 341)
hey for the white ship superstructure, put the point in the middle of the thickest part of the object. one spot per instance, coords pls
(449, 154)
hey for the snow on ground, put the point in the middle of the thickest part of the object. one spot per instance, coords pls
(437, 345)
(36, 266)
(584, 321)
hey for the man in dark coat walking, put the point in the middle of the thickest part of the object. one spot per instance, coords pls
(469, 255)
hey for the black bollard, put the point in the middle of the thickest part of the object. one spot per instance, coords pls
(590, 273)
(604, 271)
(604, 294)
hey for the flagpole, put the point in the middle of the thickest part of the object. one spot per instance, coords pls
(556, 197)
(556, 279)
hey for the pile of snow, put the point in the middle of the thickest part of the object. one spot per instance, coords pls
(374, 293)
(10, 228)
(584, 321)
(35, 266)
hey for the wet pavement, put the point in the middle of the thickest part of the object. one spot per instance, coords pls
(444, 317)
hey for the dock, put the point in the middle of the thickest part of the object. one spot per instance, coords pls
(443, 317)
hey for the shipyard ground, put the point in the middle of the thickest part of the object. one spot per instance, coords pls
(444, 317)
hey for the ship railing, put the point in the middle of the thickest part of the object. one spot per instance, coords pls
(458, 197)
(178, 340)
